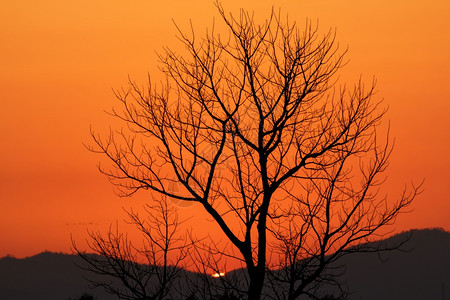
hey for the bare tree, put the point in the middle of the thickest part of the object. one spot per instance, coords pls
(147, 271)
(253, 127)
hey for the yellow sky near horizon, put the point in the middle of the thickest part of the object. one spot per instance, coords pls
(60, 60)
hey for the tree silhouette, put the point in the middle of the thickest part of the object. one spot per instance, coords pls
(253, 127)
(140, 272)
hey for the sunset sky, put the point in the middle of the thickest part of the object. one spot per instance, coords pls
(60, 61)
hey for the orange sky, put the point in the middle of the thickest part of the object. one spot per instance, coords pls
(59, 61)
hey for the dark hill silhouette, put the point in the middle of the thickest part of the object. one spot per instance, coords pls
(45, 276)
(422, 272)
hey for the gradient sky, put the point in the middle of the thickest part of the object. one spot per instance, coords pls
(60, 60)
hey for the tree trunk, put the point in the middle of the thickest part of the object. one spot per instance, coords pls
(256, 284)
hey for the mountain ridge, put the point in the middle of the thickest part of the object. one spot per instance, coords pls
(420, 271)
